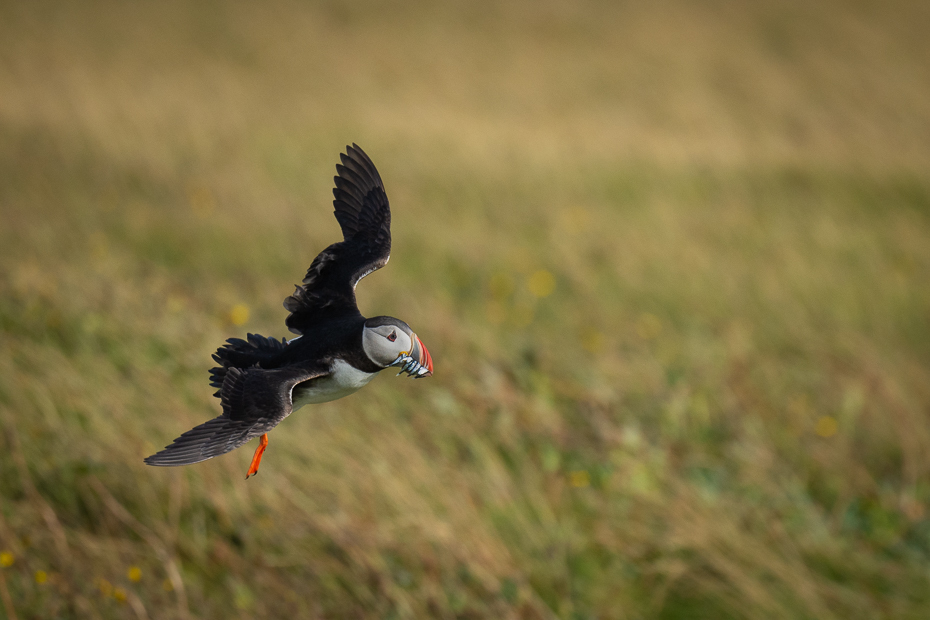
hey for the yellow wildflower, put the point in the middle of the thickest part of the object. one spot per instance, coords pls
(541, 283)
(105, 587)
(580, 478)
(826, 426)
(239, 314)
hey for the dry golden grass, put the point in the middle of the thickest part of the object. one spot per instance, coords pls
(672, 261)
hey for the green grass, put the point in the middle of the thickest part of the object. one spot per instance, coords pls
(672, 263)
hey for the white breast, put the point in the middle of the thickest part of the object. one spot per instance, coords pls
(342, 381)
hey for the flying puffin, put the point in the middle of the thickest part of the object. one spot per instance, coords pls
(337, 350)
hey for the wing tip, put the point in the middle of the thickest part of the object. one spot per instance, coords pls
(167, 458)
(162, 462)
(199, 444)
(355, 154)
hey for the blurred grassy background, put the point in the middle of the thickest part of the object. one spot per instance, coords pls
(672, 261)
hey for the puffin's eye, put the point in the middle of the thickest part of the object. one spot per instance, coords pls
(393, 336)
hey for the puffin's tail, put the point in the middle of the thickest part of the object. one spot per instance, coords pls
(239, 353)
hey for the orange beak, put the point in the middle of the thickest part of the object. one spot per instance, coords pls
(421, 355)
(418, 363)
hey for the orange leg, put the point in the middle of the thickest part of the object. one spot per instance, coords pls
(257, 457)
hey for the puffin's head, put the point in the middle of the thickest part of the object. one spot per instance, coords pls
(390, 342)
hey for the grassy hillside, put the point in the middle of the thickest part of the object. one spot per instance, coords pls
(672, 263)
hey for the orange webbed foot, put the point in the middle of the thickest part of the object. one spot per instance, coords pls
(257, 457)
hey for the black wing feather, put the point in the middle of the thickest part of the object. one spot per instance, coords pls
(361, 207)
(254, 401)
(256, 350)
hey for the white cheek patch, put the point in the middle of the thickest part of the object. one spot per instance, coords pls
(378, 348)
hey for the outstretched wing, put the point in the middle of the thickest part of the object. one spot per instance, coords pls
(254, 401)
(361, 207)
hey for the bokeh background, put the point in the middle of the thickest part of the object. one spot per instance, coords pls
(672, 261)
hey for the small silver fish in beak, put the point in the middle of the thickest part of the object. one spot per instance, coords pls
(417, 363)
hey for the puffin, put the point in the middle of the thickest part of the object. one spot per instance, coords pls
(336, 352)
